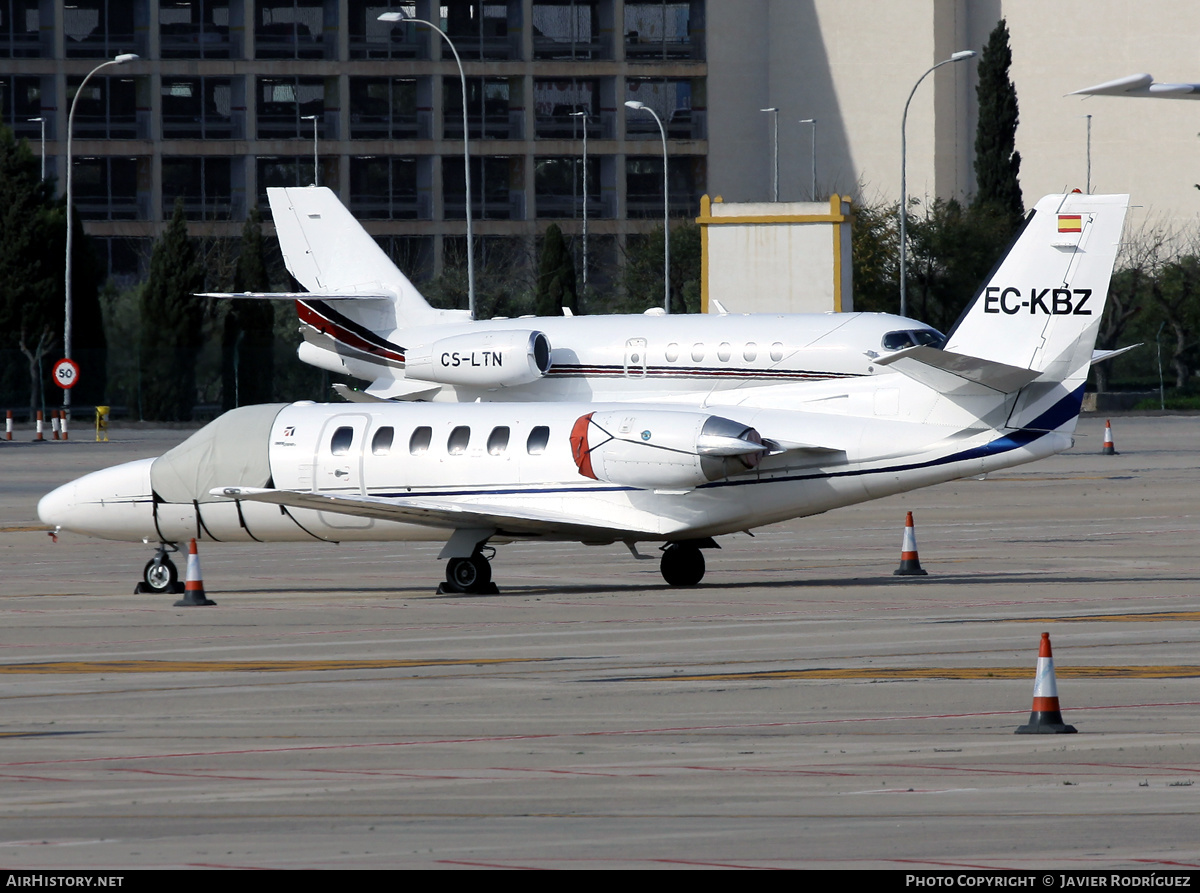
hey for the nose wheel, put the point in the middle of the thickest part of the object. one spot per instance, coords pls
(160, 576)
(471, 575)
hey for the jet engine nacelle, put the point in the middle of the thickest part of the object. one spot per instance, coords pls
(486, 360)
(662, 449)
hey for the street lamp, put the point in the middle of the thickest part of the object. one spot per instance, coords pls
(462, 77)
(119, 60)
(957, 57)
(584, 115)
(316, 174)
(813, 122)
(641, 106)
(42, 121)
(774, 153)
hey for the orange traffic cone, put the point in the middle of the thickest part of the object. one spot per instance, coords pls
(1045, 718)
(910, 563)
(1109, 449)
(193, 588)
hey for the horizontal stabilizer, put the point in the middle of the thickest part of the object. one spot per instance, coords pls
(952, 373)
(295, 296)
(439, 513)
(1099, 356)
(387, 390)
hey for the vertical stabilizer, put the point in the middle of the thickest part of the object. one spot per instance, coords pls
(328, 251)
(1041, 308)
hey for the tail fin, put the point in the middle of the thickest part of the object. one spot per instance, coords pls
(1041, 309)
(329, 252)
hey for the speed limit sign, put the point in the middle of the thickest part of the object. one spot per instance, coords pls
(66, 373)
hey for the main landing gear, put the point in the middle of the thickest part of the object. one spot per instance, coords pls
(682, 564)
(160, 576)
(472, 575)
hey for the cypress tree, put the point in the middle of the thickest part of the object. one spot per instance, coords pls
(556, 276)
(997, 163)
(248, 338)
(172, 323)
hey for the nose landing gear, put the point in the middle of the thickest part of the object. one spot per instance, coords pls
(160, 576)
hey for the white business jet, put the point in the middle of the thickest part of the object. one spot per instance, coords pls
(1005, 390)
(362, 317)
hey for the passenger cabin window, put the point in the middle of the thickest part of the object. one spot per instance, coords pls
(697, 352)
(538, 438)
(750, 352)
(381, 443)
(418, 444)
(723, 352)
(339, 444)
(672, 352)
(777, 351)
(459, 438)
(498, 440)
(914, 338)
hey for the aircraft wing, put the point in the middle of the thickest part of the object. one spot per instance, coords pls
(505, 519)
(951, 373)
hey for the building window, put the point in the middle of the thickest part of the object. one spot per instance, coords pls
(373, 39)
(384, 187)
(555, 102)
(290, 29)
(677, 103)
(194, 29)
(199, 109)
(489, 115)
(106, 188)
(20, 100)
(204, 184)
(644, 185)
(386, 108)
(20, 29)
(558, 184)
(284, 103)
(480, 29)
(99, 29)
(107, 108)
(568, 29)
(656, 31)
(491, 194)
(286, 172)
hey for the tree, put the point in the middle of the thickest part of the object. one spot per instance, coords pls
(874, 252)
(556, 276)
(248, 335)
(32, 298)
(997, 163)
(644, 270)
(172, 324)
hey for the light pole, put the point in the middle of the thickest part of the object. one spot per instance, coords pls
(641, 106)
(119, 60)
(1089, 154)
(774, 152)
(584, 115)
(957, 57)
(813, 122)
(42, 121)
(462, 77)
(316, 174)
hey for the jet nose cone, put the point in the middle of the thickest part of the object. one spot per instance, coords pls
(56, 506)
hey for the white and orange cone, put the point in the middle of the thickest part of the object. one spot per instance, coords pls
(38, 428)
(910, 563)
(1045, 718)
(193, 588)
(1108, 449)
